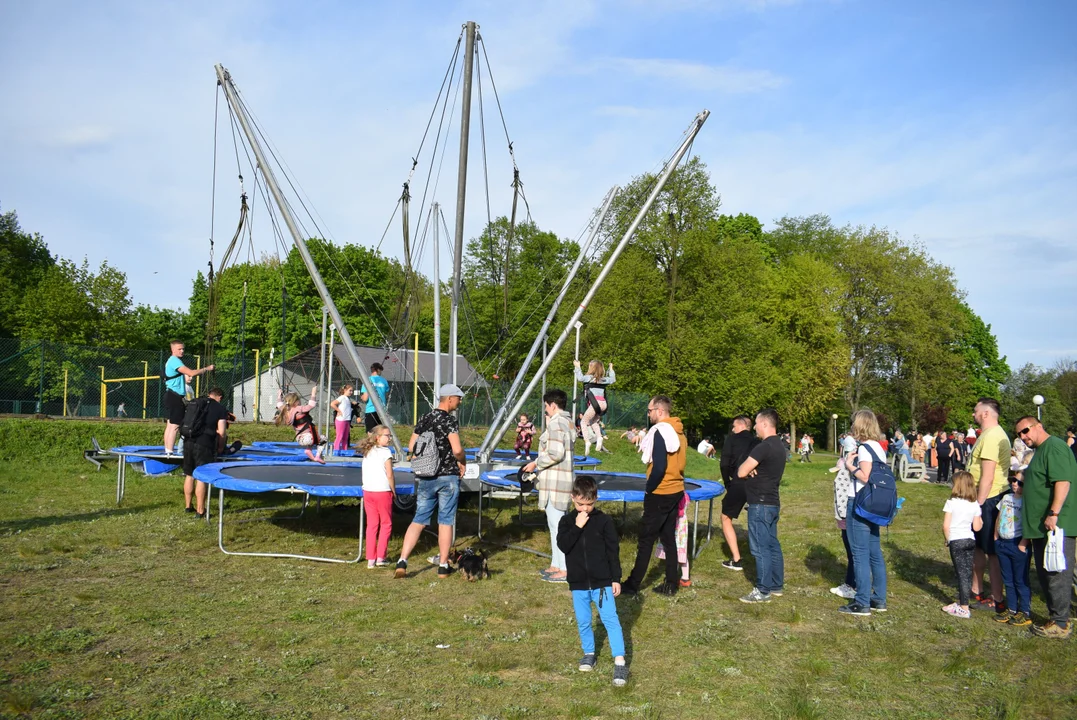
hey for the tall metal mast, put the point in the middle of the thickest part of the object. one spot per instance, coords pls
(690, 136)
(497, 428)
(435, 211)
(461, 191)
(231, 95)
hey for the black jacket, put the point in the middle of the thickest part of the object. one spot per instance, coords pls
(592, 553)
(735, 451)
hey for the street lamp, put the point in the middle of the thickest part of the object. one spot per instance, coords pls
(834, 432)
(1038, 401)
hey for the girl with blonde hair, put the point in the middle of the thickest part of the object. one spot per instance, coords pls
(868, 564)
(962, 518)
(594, 396)
(378, 488)
(291, 412)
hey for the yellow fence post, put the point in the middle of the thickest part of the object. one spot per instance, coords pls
(415, 392)
(257, 384)
(197, 366)
(104, 390)
(65, 392)
(145, 383)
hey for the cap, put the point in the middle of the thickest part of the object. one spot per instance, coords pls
(450, 390)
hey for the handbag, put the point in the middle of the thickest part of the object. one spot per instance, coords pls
(1054, 558)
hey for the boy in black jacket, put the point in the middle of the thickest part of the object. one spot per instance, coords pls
(592, 552)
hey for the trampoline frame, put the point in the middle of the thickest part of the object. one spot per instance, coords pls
(306, 500)
(694, 549)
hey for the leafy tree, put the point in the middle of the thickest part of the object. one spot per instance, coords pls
(1017, 394)
(24, 262)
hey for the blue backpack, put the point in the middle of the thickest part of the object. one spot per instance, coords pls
(876, 502)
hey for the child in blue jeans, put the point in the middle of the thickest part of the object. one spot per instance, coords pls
(1013, 559)
(593, 556)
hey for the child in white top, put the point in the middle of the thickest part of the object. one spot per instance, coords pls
(961, 520)
(379, 486)
(1013, 556)
(343, 422)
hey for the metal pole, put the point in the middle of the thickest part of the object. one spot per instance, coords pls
(415, 378)
(41, 381)
(65, 392)
(104, 390)
(329, 417)
(544, 363)
(257, 383)
(271, 182)
(575, 382)
(436, 210)
(321, 366)
(197, 378)
(690, 136)
(461, 191)
(502, 421)
(145, 386)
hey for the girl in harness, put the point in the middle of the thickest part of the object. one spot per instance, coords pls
(594, 389)
(290, 412)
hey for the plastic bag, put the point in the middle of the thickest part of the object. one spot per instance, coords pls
(1054, 559)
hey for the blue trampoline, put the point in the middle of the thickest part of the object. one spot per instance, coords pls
(614, 487)
(155, 462)
(309, 479)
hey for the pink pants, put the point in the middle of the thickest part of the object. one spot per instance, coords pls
(344, 431)
(378, 507)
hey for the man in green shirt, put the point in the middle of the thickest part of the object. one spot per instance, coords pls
(1047, 506)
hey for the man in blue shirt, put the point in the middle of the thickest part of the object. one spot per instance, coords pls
(381, 386)
(176, 374)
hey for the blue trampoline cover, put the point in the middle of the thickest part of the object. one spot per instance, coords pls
(616, 487)
(331, 480)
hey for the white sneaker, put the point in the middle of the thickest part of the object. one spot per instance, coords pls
(844, 591)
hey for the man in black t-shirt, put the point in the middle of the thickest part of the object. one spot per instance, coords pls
(203, 449)
(442, 488)
(735, 451)
(762, 472)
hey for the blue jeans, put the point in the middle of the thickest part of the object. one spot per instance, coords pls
(765, 548)
(443, 491)
(868, 564)
(1014, 565)
(607, 613)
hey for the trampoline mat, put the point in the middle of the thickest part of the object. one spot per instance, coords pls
(332, 480)
(623, 487)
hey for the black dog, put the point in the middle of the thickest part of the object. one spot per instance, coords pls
(472, 564)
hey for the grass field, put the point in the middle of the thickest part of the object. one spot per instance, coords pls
(133, 612)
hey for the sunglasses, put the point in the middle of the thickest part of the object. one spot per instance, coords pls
(1024, 431)
(1018, 482)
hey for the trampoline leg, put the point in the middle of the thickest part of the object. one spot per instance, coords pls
(209, 501)
(119, 480)
(220, 518)
(695, 532)
(478, 532)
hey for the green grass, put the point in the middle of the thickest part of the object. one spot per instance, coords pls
(133, 612)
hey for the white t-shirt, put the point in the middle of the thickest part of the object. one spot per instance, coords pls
(864, 455)
(704, 447)
(962, 513)
(374, 477)
(345, 404)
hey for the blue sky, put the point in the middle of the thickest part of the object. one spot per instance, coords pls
(953, 124)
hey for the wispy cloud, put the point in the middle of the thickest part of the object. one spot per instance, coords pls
(699, 76)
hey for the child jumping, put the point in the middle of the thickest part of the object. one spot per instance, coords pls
(961, 521)
(594, 393)
(379, 486)
(343, 408)
(290, 412)
(525, 431)
(1013, 559)
(592, 552)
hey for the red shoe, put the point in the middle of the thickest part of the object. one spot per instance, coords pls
(685, 583)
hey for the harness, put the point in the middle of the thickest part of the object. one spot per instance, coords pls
(592, 401)
(303, 423)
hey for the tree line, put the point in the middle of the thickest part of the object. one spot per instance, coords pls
(711, 309)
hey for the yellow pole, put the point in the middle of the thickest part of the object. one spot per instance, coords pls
(415, 378)
(65, 392)
(104, 390)
(197, 366)
(145, 384)
(257, 384)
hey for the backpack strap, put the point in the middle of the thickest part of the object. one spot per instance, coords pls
(874, 455)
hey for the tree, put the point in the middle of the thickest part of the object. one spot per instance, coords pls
(24, 262)
(1017, 394)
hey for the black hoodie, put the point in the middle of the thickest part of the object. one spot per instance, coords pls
(592, 553)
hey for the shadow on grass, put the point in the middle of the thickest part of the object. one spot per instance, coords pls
(826, 564)
(925, 573)
(44, 521)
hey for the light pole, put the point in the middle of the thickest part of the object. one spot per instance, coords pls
(1038, 401)
(834, 432)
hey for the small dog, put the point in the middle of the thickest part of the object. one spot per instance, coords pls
(472, 564)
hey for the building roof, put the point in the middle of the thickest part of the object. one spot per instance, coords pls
(398, 364)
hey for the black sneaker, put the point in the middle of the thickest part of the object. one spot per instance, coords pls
(620, 675)
(855, 608)
(445, 571)
(587, 663)
(733, 565)
(188, 509)
(401, 569)
(667, 589)
(877, 606)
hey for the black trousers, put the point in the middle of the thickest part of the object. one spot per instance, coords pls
(659, 522)
(944, 469)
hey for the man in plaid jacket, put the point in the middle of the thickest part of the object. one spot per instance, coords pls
(555, 475)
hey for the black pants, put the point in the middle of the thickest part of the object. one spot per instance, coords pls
(1056, 586)
(961, 553)
(944, 469)
(659, 523)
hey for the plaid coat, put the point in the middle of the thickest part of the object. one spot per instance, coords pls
(554, 464)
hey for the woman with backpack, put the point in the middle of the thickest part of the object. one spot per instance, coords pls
(868, 564)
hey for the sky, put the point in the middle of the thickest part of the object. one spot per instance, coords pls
(951, 124)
